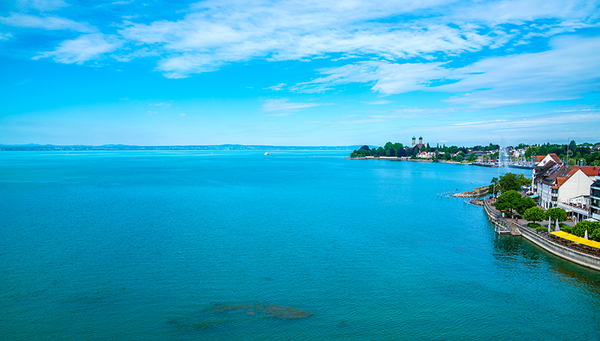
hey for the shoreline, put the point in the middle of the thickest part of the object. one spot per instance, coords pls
(404, 158)
(570, 251)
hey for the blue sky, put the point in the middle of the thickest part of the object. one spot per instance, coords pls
(299, 72)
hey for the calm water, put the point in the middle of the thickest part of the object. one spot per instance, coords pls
(142, 245)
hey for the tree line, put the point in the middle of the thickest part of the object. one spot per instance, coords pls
(577, 154)
(442, 152)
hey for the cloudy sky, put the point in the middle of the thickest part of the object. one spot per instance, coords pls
(299, 72)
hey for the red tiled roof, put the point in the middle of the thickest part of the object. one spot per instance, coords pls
(555, 158)
(590, 170)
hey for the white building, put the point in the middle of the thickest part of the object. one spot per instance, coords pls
(567, 187)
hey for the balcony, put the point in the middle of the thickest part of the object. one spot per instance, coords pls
(583, 210)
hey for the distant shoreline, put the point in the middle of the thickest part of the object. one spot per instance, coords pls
(184, 147)
(404, 158)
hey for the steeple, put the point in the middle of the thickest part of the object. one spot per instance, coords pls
(414, 143)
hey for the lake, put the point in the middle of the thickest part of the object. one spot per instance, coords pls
(296, 245)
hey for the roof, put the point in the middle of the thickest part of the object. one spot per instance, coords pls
(555, 158)
(590, 170)
(539, 158)
(557, 176)
(540, 171)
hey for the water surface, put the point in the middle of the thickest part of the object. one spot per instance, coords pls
(143, 246)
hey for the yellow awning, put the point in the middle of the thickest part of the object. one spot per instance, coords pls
(576, 239)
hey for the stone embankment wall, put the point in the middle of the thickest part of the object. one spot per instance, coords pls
(546, 242)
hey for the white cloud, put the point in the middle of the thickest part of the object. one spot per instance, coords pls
(382, 35)
(388, 78)
(477, 123)
(381, 102)
(281, 107)
(277, 87)
(42, 5)
(46, 23)
(84, 48)
(5, 36)
(569, 70)
(518, 11)
(216, 33)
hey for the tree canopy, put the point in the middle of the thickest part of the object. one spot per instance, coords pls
(508, 201)
(508, 182)
(556, 213)
(534, 214)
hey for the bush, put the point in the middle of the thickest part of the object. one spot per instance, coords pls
(534, 225)
(593, 229)
(566, 228)
(542, 228)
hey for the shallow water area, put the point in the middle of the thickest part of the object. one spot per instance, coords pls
(125, 245)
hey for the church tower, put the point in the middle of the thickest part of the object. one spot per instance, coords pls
(414, 141)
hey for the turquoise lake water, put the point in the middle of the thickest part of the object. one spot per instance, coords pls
(150, 245)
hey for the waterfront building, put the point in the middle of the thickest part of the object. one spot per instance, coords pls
(567, 187)
(426, 155)
(595, 200)
(542, 160)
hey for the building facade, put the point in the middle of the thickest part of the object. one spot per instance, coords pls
(595, 200)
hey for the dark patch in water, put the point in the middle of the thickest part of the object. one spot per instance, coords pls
(221, 313)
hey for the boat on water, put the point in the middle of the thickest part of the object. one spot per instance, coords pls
(267, 153)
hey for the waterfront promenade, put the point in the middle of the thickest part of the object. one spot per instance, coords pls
(571, 251)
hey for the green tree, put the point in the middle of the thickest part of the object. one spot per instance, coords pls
(556, 213)
(523, 181)
(508, 201)
(524, 204)
(572, 146)
(511, 182)
(397, 146)
(534, 214)
(472, 157)
(380, 151)
(387, 147)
